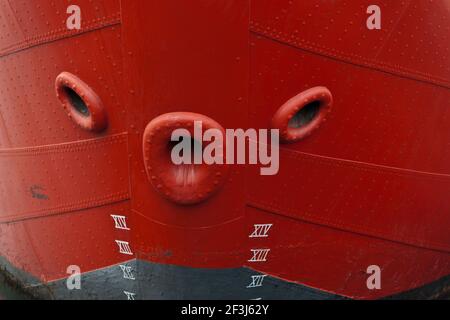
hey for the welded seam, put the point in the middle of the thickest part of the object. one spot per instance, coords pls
(68, 207)
(280, 209)
(59, 34)
(77, 146)
(353, 59)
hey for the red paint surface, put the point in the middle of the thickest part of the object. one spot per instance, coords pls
(370, 186)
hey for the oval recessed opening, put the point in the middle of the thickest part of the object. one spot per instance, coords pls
(77, 103)
(81, 103)
(305, 115)
(181, 179)
(302, 114)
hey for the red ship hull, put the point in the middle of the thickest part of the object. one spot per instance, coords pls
(369, 187)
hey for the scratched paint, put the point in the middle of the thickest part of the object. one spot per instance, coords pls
(9, 292)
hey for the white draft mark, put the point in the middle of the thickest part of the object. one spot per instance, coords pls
(130, 295)
(259, 255)
(120, 222)
(124, 247)
(261, 231)
(257, 281)
(127, 272)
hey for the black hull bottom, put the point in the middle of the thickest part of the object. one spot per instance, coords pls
(168, 282)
